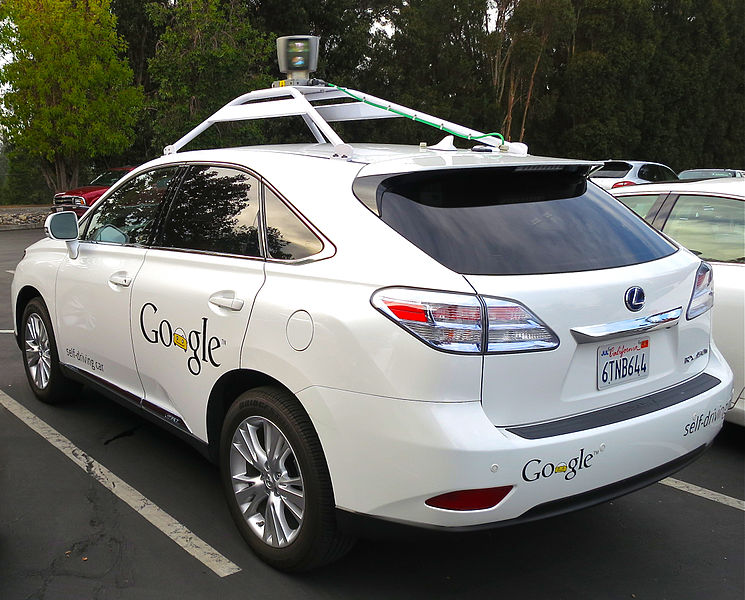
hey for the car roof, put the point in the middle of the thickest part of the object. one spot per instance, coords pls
(636, 162)
(730, 186)
(371, 159)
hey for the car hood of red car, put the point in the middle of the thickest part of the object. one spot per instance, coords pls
(86, 191)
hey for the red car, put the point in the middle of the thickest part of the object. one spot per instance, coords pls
(79, 199)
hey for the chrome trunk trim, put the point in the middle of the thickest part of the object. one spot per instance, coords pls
(608, 331)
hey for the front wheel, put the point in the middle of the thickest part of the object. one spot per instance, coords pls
(277, 483)
(40, 358)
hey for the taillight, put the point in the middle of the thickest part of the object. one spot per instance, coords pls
(441, 319)
(622, 184)
(702, 298)
(464, 322)
(470, 499)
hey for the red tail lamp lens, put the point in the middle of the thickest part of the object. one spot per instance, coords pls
(470, 499)
(622, 184)
(407, 312)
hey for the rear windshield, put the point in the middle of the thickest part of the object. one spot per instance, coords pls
(510, 222)
(612, 170)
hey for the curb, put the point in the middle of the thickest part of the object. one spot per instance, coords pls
(20, 227)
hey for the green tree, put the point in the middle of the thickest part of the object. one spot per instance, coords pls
(435, 60)
(695, 110)
(19, 179)
(538, 29)
(208, 54)
(69, 95)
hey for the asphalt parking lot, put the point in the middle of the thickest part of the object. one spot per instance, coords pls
(65, 534)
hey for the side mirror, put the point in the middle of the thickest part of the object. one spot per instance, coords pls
(64, 226)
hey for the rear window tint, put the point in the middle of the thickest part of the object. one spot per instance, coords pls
(612, 169)
(510, 222)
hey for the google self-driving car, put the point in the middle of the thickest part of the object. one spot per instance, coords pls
(419, 335)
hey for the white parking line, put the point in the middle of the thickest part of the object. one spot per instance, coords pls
(199, 549)
(11, 271)
(6, 331)
(704, 493)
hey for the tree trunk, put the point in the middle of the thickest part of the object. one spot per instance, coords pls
(530, 90)
(507, 124)
(62, 174)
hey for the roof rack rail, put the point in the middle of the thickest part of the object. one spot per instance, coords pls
(290, 100)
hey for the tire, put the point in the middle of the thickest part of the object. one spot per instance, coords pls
(40, 358)
(283, 506)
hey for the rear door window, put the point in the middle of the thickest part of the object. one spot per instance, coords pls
(216, 209)
(648, 173)
(511, 222)
(712, 227)
(666, 174)
(640, 204)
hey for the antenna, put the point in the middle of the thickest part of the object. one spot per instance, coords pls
(298, 58)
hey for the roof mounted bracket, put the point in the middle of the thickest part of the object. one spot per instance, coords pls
(343, 151)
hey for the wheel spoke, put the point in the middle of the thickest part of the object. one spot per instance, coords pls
(284, 531)
(278, 453)
(270, 435)
(253, 500)
(270, 526)
(249, 448)
(295, 504)
(252, 431)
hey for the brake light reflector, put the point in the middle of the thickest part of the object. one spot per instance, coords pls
(702, 298)
(470, 499)
(407, 312)
(624, 183)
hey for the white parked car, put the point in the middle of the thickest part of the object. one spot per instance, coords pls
(708, 217)
(621, 173)
(425, 336)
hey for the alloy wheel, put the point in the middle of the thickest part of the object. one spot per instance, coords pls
(38, 351)
(267, 481)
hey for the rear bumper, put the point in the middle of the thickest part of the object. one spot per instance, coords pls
(388, 456)
(736, 414)
(379, 527)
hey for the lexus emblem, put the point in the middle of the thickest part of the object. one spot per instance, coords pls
(634, 298)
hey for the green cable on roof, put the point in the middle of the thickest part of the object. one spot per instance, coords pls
(414, 118)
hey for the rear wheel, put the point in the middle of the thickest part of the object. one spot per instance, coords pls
(40, 358)
(277, 483)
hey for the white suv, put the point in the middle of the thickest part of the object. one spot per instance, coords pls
(621, 173)
(426, 336)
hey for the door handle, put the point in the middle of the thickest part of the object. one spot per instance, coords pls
(227, 300)
(120, 279)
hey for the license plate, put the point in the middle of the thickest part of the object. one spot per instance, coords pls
(623, 362)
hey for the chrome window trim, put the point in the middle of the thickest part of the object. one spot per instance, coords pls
(608, 331)
(207, 253)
